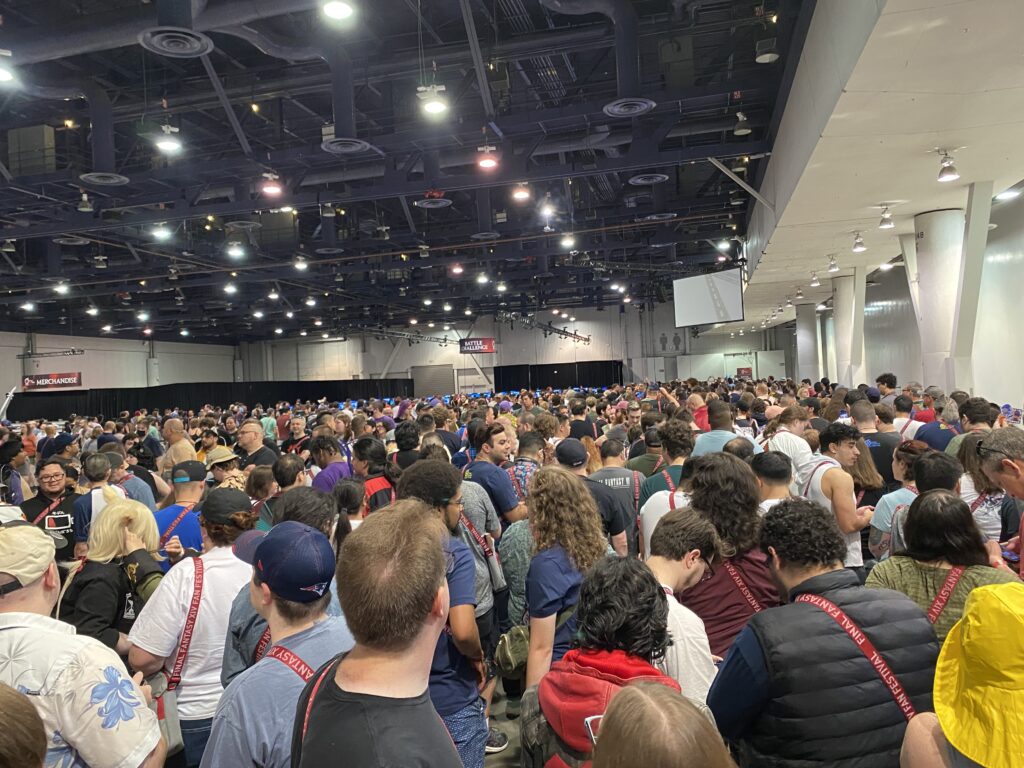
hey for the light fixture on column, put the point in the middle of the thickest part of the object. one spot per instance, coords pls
(858, 243)
(742, 127)
(947, 171)
(833, 265)
(815, 282)
(886, 222)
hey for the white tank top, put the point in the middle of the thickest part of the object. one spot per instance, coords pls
(812, 491)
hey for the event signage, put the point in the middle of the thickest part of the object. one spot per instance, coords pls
(475, 346)
(745, 373)
(51, 380)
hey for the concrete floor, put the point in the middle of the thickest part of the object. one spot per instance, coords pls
(510, 757)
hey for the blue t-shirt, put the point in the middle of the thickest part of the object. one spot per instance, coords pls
(496, 482)
(187, 529)
(715, 440)
(452, 677)
(937, 434)
(248, 728)
(552, 585)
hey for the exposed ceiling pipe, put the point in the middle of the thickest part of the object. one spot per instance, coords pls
(271, 45)
(103, 32)
(483, 212)
(627, 51)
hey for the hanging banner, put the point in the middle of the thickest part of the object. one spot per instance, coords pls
(476, 346)
(744, 373)
(51, 380)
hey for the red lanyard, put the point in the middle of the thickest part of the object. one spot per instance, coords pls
(945, 593)
(186, 508)
(293, 662)
(56, 503)
(867, 648)
(668, 481)
(261, 646)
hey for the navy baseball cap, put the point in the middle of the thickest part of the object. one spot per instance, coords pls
(296, 561)
(570, 452)
(188, 472)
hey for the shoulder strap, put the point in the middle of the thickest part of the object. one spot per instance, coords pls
(515, 481)
(190, 624)
(636, 491)
(867, 648)
(261, 646)
(292, 661)
(982, 498)
(661, 460)
(904, 428)
(810, 477)
(668, 481)
(480, 540)
(741, 585)
(328, 669)
(186, 508)
(939, 603)
(56, 503)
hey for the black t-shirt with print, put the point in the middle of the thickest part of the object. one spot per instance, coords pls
(367, 731)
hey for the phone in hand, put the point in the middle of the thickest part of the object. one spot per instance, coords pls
(1010, 557)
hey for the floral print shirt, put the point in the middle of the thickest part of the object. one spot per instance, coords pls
(93, 714)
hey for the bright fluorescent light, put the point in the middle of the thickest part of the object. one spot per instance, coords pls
(434, 103)
(886, 266)
(183, 332)
(613, 287)
(279, 331)
(337, 10)
(482, 279)
(301, 264)
(161, 232)
(521, 193)
(487, 160)
(447, 307)
(468, 312)
(318, 322)
(107, 328)
(310, 302)
(148, 331)
(413, 321)
(501, 287)
(230, 288)
(1009, 194)
(143, 316)
(723, 245)
(722, 258)
(457, 269)
(427, 302)
(6, 74)
(547, 210)
(62, 288)
(568, 241)
(168, 144)
(235, 250)
(273, 296)
(626, 300)
(258, 314)
(289, 314)
(28, 306)
(92, 311)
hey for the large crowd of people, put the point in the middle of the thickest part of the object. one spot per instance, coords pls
(696, 573)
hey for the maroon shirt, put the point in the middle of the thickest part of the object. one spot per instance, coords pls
(722, 606)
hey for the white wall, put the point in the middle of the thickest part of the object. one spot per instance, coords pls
(892, 342)
(114, 363)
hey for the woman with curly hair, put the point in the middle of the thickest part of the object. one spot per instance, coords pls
(723, 489)
(622, 630)
(569, 539)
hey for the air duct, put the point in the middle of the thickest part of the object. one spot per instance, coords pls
(484, 216)
(627, 53)
(342, 139)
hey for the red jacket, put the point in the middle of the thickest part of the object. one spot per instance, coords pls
(700, 418)
(581, 685)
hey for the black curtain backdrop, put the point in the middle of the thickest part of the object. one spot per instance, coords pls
(110, 402)
(591, 373)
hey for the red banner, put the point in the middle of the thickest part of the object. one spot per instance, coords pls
(51, 380)
(745, 373)
(476, 346)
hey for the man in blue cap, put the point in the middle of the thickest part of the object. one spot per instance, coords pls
(178, 524)
(293, 565)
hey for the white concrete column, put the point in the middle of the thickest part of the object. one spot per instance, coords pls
(807, 366)
(960, 365)
(940, 239)
(848, 302)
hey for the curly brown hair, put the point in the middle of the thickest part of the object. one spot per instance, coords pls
(563, 513)
(545, 425)
(724, 490)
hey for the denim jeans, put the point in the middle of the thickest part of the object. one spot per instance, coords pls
(468, 729)
(195, 734)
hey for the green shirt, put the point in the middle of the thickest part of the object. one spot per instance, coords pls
(921, 583)
(656, 482)
(646, 463)
(953, 448)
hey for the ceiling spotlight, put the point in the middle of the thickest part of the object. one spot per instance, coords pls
(286, 209)
(742, 127)
(6, 74)
(886, 266)
(766, 51)
(303, 333)
(947, 171)
(572, 319)
(448, 307)
(92, 311)
(614, 287)
(565, 315)
(789, 302)
(230, 288)
(427, 302)
(486, 159)
(447, 327)
(161, 232)
(622, 289)
(858, 243)
(28, 306)
(289, 314)
(413, 321)
(799, 293)
(337, 10)
(85, 204)
(741, 331)
(433, 101)
(821, 307)
(430, 325)
(501, 287)
(258, 314)
(235, 250)
(310, 302)
(468, 312)
(626, 299)
(886, 222)
(62, 288)
(183, 332)
(148, 331)
(325, 335)
(300, 264)
(815, 282)
(521, 193)
(457, 269)
(723, 245)
(1009, 194)
(143, 316)
(482, 279)
(568, 241)
(722, 258)
(273, 295)
(318, 322)
(8, 247)
(547, 210)
(107, 328)
(166, 141)
(271, 185)
(833, 266)
(279, 331)
(554, 311)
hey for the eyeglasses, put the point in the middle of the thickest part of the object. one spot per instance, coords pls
(457, 502)
(51, 478)
(709, 572)
(593, 725)
(981, 449)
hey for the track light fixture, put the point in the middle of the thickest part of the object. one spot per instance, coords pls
(742, 127)
(8, 247)
(521, 193)
(85, 204)
(833, 265)
(167, 141)
(886, 222)
(433, 103)
(300, 263)
(858, 243)
(947, 171)
(486, 159)
(815, 282)
(271, 185)
(799, 293)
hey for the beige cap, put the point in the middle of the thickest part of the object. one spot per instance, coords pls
(219, 455)
(25, 553)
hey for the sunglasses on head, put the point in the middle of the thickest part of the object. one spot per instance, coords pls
(981, 450)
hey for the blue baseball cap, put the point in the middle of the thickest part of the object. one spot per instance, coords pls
(296, 561)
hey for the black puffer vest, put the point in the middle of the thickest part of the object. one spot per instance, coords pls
(828, 705)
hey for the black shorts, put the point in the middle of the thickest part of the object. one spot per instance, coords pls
(487, 625)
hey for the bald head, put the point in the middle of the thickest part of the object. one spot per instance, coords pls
(173, 430)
